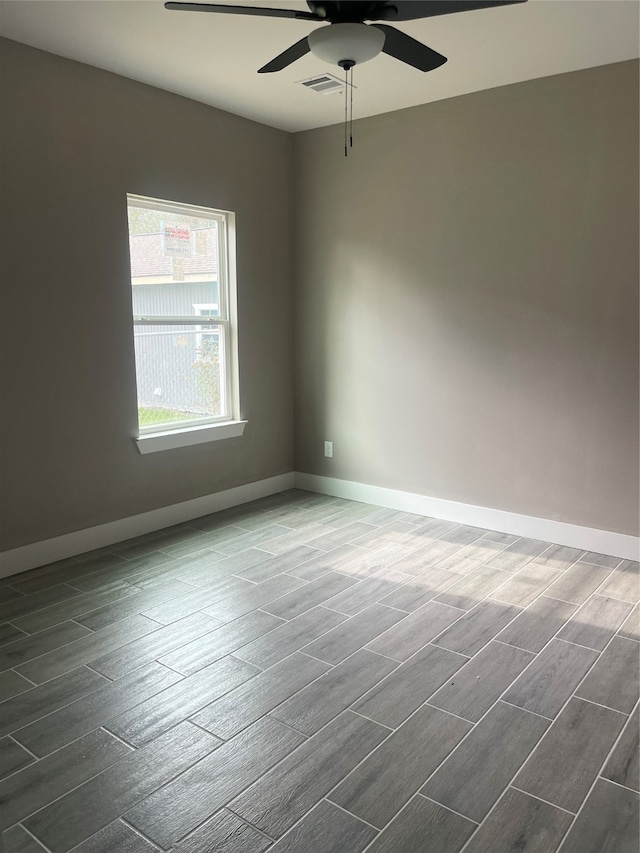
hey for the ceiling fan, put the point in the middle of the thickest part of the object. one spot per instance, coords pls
(349, 40)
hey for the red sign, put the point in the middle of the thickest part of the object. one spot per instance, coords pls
(177, 240)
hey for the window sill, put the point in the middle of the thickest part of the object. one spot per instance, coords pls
(185, 437)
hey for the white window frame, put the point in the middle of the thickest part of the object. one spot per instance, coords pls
(228, 424)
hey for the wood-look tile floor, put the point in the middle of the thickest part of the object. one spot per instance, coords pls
(305, 674)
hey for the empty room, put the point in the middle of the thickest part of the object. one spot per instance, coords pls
(319, 436)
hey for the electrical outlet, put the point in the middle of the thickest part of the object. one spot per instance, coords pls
(328, 449)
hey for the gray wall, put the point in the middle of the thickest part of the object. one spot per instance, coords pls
(74, 141)
(467, 299)
(466, 311)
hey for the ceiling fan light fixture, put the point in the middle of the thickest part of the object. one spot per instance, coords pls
(346, 43)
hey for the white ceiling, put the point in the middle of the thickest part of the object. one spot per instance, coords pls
(214, 58)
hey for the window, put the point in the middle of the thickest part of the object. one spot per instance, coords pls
(183, 298)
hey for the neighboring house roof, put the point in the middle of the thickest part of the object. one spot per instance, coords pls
(148, 258)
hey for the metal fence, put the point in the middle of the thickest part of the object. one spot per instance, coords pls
(179, 372)
(179, 369)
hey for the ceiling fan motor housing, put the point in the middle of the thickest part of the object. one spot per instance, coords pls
(346, 44)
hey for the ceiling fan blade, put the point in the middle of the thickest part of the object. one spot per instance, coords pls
(410, 10)
(242, 10)
(286, 57)
(407, 49)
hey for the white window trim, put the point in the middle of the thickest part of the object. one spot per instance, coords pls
(229, 425)
(152, 442)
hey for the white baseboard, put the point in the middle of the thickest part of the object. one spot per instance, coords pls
(48, 551)
(588, 538)
(80, 541)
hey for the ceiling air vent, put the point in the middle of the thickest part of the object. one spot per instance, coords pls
(325, 84)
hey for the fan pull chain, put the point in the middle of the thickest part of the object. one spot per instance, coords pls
(347, 65)
(346, 101)
(351, 112)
